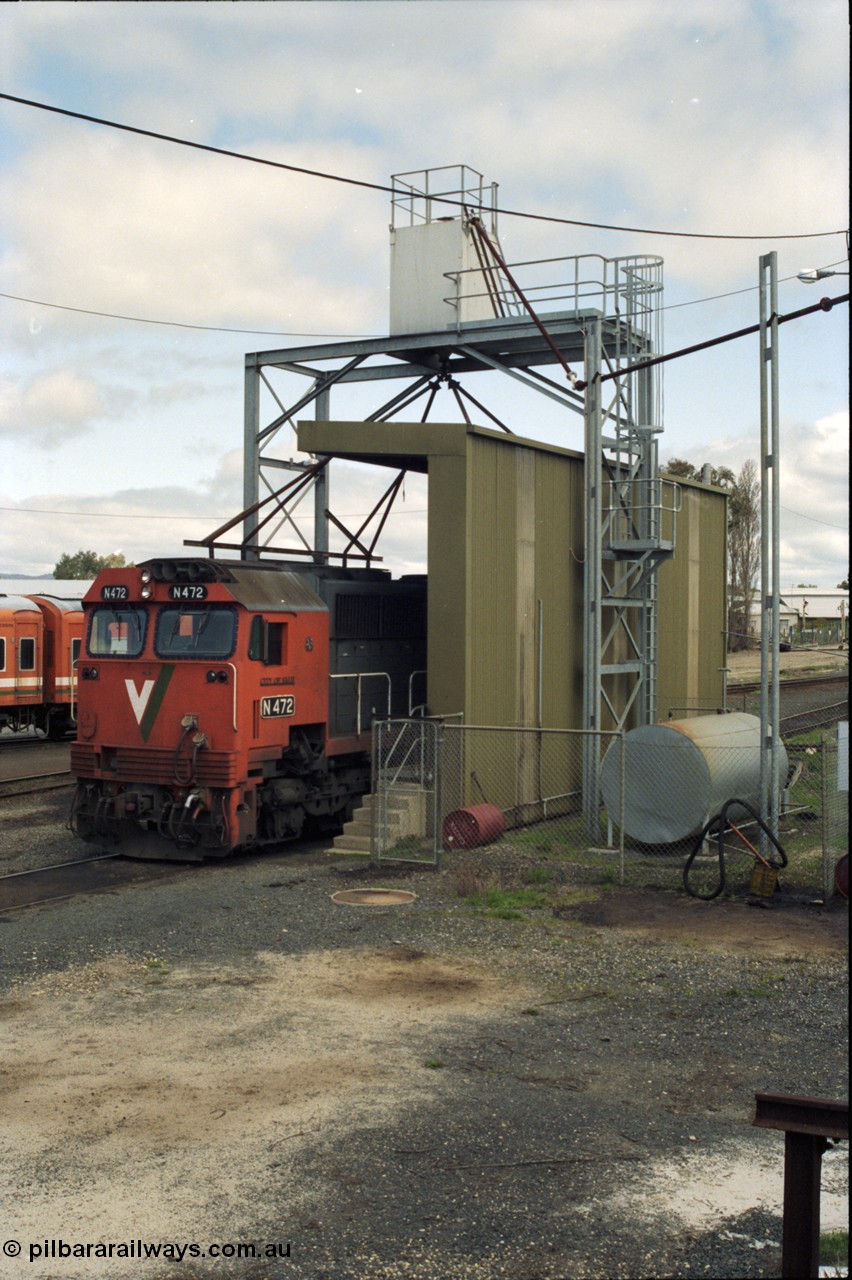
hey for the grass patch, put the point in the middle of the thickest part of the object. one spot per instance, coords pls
(508, 904)
(834, 1249)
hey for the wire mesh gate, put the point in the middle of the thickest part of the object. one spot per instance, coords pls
(428, 771)
(405, 790)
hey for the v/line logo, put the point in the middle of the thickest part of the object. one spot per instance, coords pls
(146, 702)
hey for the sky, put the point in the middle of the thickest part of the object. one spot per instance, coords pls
(135, 274)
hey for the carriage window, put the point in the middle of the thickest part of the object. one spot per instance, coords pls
(26, 655)
(188, 631)
(2, 654)
(117, 633)
(75, 652)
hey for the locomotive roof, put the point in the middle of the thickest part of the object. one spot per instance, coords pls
(259, 589)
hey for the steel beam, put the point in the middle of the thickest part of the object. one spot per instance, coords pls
(807, 1125)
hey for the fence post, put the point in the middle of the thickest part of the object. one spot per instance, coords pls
(825, 826)
(621, 803)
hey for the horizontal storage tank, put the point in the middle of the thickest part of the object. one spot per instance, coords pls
(680, 773)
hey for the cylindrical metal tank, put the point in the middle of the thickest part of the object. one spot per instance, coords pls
(679, 773)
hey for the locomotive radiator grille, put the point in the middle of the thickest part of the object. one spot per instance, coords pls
(154, 764)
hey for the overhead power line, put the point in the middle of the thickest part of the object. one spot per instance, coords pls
(824, 304)
(378, 186)
(179, 324)
(288, 333)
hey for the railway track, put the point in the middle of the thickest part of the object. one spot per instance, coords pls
(34, 783)
(101, 873)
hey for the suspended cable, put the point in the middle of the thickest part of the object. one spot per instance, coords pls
(178, 324)
(378, 186)
(824, 304)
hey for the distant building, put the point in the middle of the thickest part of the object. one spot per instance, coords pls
(809, 617)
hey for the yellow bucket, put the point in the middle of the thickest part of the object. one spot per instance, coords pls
(764, 880)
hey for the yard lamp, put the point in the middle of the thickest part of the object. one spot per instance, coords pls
(812, 274)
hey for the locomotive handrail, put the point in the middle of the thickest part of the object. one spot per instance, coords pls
(234, 700)
(359, 676)
(411, 678)
(72, 685)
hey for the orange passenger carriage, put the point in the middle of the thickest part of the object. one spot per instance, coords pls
(228, 705)
(39, 648)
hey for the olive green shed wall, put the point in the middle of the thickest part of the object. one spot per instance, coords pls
(505, 602)
(506, 551)
(692, 606)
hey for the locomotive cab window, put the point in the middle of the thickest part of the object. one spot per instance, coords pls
(195, 631)
(27, 655)
(268, 642)
(116, 633)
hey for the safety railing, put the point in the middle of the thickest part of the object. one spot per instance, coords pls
(360, 677)
(627, 288)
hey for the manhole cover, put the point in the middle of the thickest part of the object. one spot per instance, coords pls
(373, 897)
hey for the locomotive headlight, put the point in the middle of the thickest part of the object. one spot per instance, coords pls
(214, 676)
(145, 592)
(90, 673)
(145, 575)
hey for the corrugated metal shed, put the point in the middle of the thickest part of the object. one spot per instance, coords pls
(506, 550)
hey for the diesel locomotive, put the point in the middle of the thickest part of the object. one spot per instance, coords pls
(228, 705)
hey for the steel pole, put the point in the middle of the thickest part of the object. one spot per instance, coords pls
(251, 452)
(592, 624)
(769, 544)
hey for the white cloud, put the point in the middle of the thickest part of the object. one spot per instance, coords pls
(50, 407)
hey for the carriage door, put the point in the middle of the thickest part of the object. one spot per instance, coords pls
(28, 676)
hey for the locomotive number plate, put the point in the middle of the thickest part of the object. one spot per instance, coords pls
(283, 705)
(115, 593)
(181, 592)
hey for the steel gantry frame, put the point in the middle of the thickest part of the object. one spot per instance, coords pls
(603, 315)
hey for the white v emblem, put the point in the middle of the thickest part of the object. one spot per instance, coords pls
(139, 698)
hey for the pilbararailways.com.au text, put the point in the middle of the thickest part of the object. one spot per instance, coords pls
(170, 1251)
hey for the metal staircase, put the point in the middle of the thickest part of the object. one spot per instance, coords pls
(630, 516)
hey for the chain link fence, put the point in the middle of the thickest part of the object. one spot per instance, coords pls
(517, 795)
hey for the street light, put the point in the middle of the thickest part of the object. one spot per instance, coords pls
(812, 274)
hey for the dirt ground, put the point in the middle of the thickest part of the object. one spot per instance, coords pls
(724, 927)
(422, 1092)
(745, 665)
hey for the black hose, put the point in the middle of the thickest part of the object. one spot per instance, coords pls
(719, 822)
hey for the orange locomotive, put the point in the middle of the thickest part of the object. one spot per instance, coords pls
(226, 705)
(39, 648)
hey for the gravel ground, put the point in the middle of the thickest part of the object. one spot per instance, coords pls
(419, 1091)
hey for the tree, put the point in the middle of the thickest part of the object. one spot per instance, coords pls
(86, 564)
(743, 553)
(723, 477)
(743, 539)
